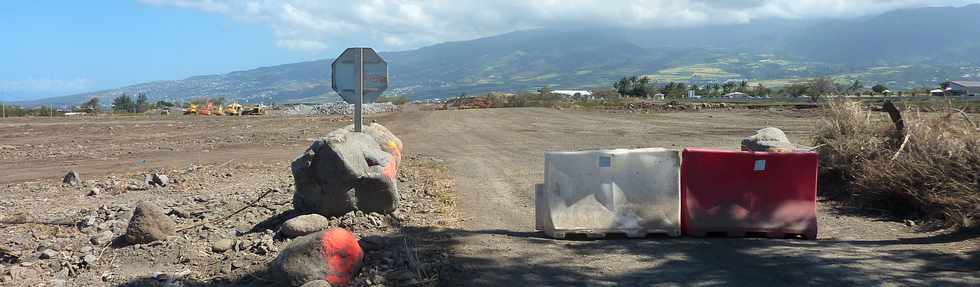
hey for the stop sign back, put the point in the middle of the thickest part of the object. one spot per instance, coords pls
(345, 74)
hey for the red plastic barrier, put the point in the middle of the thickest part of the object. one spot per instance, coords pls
(744, 193)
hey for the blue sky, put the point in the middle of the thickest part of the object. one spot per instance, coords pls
(52, 48)
(56, 48)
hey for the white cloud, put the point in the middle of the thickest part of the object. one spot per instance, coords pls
(311, 25)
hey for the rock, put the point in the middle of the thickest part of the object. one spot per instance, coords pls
(90, 259)
(88, 221)
(48, 253)
(304, 224)
(94, 191)
(317, 283)
(149, 224)
(160, 180)
(102, 238)
(768, 140)
(135, 187)
(347, 171)
(71, 178)
(222, 245)
(332, 255)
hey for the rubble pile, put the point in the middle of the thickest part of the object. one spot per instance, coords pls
(339, 108)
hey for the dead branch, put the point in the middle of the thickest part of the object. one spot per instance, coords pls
(226, 217)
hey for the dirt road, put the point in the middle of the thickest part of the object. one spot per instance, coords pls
(496, 156)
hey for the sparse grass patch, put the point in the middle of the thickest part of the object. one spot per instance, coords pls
(929, 171)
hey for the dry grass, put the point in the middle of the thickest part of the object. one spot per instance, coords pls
(931, 171)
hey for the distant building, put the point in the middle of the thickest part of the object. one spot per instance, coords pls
(573, 93)
(659, 96)
(735, 95)
(937, 92)
(964, 88)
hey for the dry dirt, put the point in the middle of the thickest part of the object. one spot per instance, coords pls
(492, 156)
(496, 155)
(231, 181)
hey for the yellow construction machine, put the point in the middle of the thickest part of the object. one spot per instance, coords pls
(191, 110)
(234, 109)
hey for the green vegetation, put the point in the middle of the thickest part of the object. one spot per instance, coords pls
(396, 100)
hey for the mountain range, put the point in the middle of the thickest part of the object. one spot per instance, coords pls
(901, 49)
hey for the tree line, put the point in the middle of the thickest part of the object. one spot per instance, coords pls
(642, 87)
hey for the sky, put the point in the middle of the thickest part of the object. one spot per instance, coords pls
(55, 48)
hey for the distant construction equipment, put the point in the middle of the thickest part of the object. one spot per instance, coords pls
(234, 109)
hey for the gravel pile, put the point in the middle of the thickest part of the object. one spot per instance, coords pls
(339, 108)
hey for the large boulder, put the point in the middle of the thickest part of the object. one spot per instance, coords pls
(149, 223)
(346, 171)
(769, 139)
(331, 255)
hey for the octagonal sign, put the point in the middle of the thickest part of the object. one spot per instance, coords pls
(345, 72)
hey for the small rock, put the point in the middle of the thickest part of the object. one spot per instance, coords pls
(48, 253)
(160, 180)
(90, 259)
(149, 224)
(94, 191)
(71, 178)
(304, 224)
(317, 283)
(88, 221)
(102, 238)
(180, 212)
(222, 245)
(134, 187)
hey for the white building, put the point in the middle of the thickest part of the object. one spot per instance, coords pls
(571, 93)
(964, 88)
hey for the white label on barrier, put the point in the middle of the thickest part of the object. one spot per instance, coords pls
(760, 165)
(605, 161)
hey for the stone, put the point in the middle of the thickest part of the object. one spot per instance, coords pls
(346, 171)
(149, 224)
(88, 221)
(303, 225)
(160, 180)
(769, 139)
(317, 283)
(94, 191)
(103, 238)
(48, 253)
(90, 259)
(332, 255)
(222, 245)
(71, 178)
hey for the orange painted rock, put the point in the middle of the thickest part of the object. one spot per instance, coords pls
(332, 255)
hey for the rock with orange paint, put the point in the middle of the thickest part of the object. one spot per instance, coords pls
(346, 171)
(332, 255)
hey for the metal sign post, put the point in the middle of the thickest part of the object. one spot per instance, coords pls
(359, 75)
(359, 99)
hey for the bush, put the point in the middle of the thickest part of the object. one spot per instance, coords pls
(930, 171)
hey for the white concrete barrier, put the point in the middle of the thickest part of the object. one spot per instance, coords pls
(635, 192)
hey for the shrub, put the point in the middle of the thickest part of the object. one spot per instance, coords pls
(931, 170)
